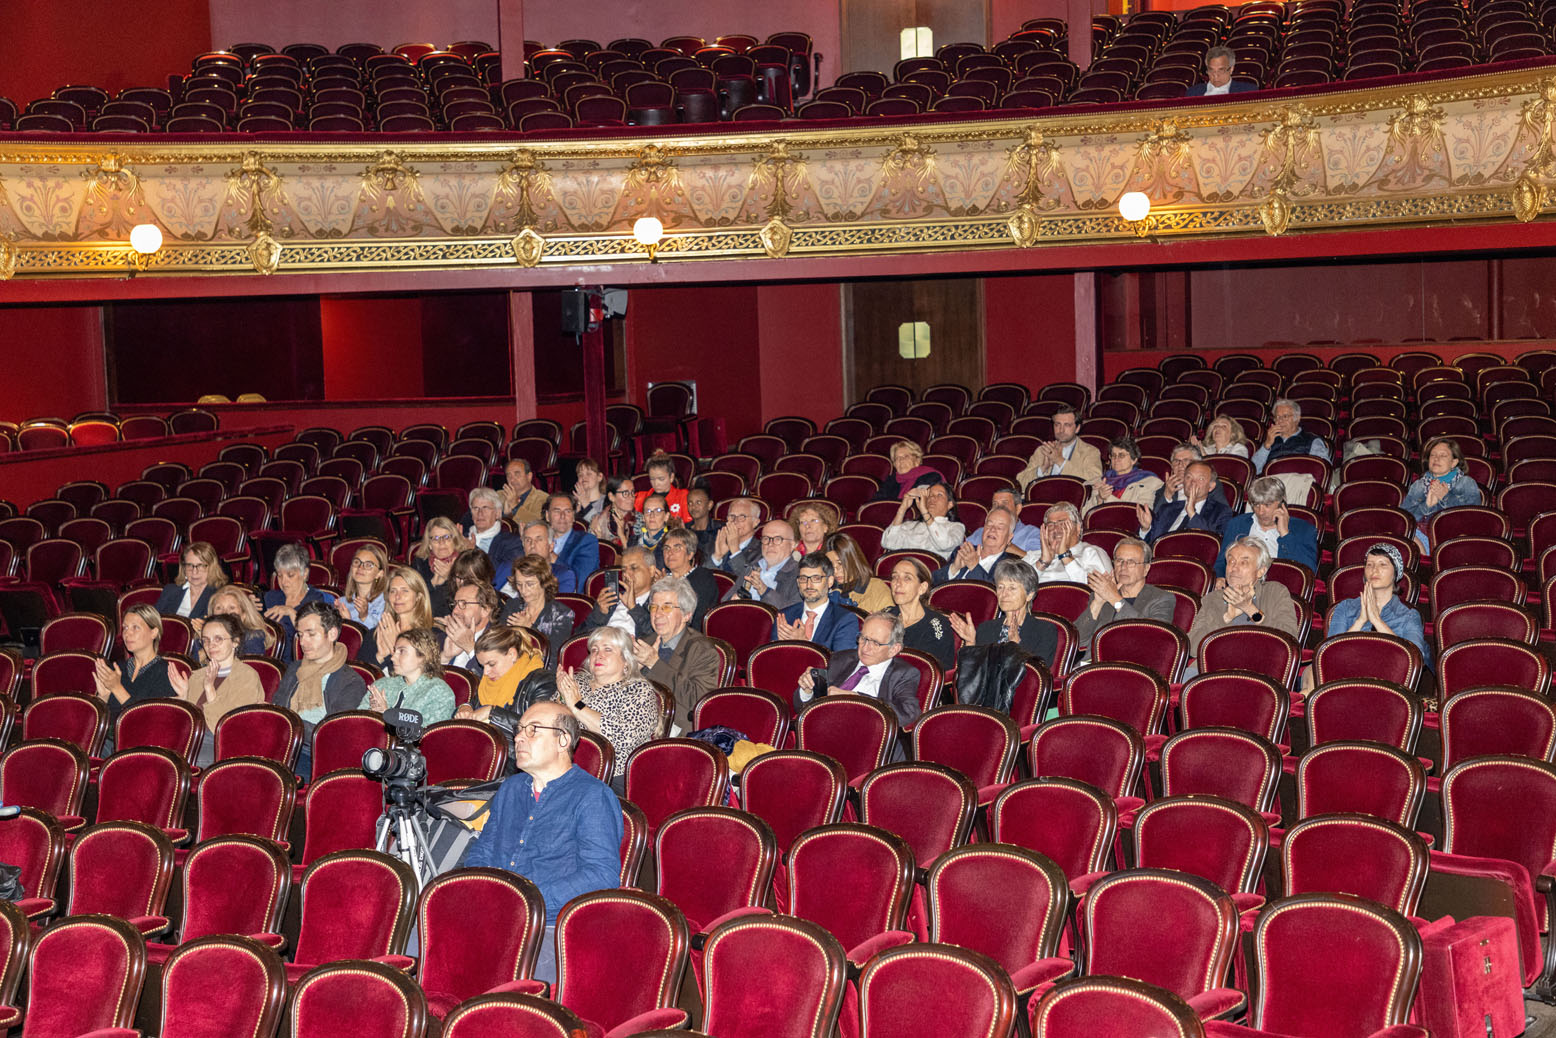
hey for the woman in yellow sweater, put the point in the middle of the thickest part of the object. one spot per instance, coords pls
(512, 673)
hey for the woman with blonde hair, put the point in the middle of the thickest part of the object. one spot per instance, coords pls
(610, 697)
(441, 543)
(257, 638)
(1223, 436)
(417, 682)
(199, 575)
(513, 674)
(362, 596)
(908, 471)
(407, 607)
(142, 674)
(815, 524)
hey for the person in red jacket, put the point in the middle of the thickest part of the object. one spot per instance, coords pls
(661, 476)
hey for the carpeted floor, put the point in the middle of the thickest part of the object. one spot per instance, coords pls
(1544, 1025)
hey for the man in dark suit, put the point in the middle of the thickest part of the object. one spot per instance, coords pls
(537, 541)
(578, 550)
(818, 616)
(677, 656)
(737, 546)
(485, 529)
(1124, 594)
(871, 670)
(1218, 73)
(772, 577)
(627, 608)
(1182, 456)
(1202, 507)
(977, 561)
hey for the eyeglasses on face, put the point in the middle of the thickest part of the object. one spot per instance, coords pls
(812, 578)
(440, 538)
(653, 511)
(781, 538)
(866, 640)
(364, 563)
(530, 730)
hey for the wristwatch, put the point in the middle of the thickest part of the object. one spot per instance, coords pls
(1256, 616)
(579, 704)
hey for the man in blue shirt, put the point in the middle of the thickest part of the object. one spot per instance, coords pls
(554, 824)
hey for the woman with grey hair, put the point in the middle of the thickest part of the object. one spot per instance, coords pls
(1246, 597)
(291, 593)
(1015, 585)
(610, 697)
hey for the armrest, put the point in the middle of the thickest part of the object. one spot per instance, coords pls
(1402, 1031)
(10, 1016)
(700, 938)
(1217, 1003)
(653, 1020)
(176, 835)
(527, 986)
(270, 940)
(1080, 884)
(987, 794)
(70, 823)
(33, 907)
(1027, 731)
(1043, 971)
(113, 1032)
(868, 949)
(1247, 902)
(150, 924)
(403, 963)
(1546, 879)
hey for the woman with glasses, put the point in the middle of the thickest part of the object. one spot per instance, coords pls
(656, 522)
(925, 629)
(222, 685)
(417, 682)
(1124, 481)
(680, 560)
(535, 605)
(291, 593)
(434, 557)
(407, 607)
(815, 525)
(609, 696)
(200, 574)
(1015, 585)
(362, 598)
(617, 520)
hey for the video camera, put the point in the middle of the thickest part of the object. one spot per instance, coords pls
(401, 767)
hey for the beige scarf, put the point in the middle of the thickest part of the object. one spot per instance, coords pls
(309, 694)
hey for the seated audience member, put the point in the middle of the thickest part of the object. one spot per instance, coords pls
(200, 575)
(1245, 597)
(1015, 585)
(1446, 483)
(471, 566)
(771, 578)
(240, 605)
(625, 606)
(1064, 455)
(1218, 75)
(661, 481)
(609, 696)
(908, 471)
(537, 542)
(1201, 506)
(521, 499)
(617, 520)
(417, 682)
(977, 563)
(870, 669)
(1062, 555)
(1124, 594)
(485, 530)
(513, 674)
(737, 546)
(1172, 489)
(699, 509)
(1285, 436)
(926, 629)
(1024, 537)
(441, 543)
(1378, 608)
(291, 593)
(935, 529)
(552, 823)
(475, 607)
(1285, 536)
(408, 606)
(1223, 436)
(675, 654)
(818, 616)
(535, 605)
(578, 550)
(223, 684)
(142, 674)
(856, 582)
(1125, 481)
(814, 525)
(656, 522)
(680, 554)
(588, 490)
(321, 682)
(362, 598)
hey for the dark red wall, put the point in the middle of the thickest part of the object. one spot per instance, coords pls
(44, 44)
(1029, 329)
(52, 357)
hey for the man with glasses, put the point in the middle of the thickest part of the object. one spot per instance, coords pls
(736, 546)
(679, 549)
(678, 657)
(1062, 555)
(627, 608)
(484, 528)
(977, 561)
(537, 542)
(578, 550)
(552, 823)
(1201, 506)
(872, 669)
(772, 577)
(818, 616)
(1124, 594)
(471, 617)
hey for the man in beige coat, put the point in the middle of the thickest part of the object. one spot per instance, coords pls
(1064, 455)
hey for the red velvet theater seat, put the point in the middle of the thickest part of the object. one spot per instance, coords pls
(513, 1016)
(857, 731)
(1113, 1007)
(1232, 699)
(362, 999)
(1070, 823)
(1331, 965)
(1360, 776)
(355, 905)
(980, 744)
(1097, 750)
(669, 775)
(86, 973)
(144, 785)
(232, 885)
(122, 869)
(792, 791)
(713, 861)
(260, 730)
(854, 881)
(16, 939)
(1223, 762)
(972, 995)
(621, 955)
(170, 724)
(220, 986)
(771, 977)
(1217, 840)
(1355, 854)
(34, 842)
(480, 928)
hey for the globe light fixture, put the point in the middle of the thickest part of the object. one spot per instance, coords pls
(649, 232)
(1135, 208)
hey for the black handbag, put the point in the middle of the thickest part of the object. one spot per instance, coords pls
(11, 888)
(987, 675)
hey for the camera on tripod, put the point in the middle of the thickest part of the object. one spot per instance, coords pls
(401, 767)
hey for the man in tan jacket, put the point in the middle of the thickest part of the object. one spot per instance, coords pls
(1064, 455)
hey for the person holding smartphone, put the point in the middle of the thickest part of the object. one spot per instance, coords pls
(1285, 536)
